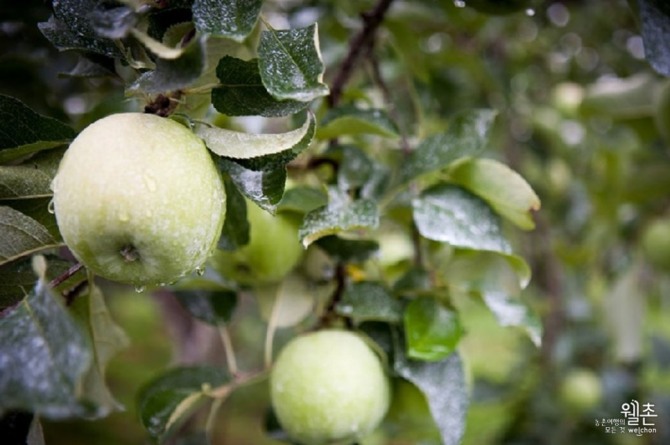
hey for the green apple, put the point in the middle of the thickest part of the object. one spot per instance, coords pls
(329, 387)
(272, 252)
(656, 243)
(138, 199)
(581, 390)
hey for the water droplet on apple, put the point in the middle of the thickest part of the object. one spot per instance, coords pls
(51, 207)
(139, 289)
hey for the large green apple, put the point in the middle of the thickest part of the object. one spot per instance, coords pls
(327, 387)
(138, 199)
(272, 252)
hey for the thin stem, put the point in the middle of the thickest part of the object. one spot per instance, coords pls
(358, 43)
(65, 275)
(211, 416)
(231, 360)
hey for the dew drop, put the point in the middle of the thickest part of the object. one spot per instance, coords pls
(51, 208)
(139, 289)
(530, 12)
(459, 3)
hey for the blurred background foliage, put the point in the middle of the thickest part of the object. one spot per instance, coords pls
(582, 117)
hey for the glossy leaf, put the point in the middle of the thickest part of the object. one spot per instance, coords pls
(290, 64)
(22, 235)
(167, 401)
(341, 214)
(443, 384)
(44, 357)
(350, 120)
(453, 215)
(239, 145)
(264, 187)
(235, 231)
(31, 179)
(107, 339)
(503, 188)
(467, 135)
(302, 199)
(655, 15)
(432, 330)
(213, 307)
(64, 38)
(348, 250)
(232, 19)
(242, 92)
(175, 72)
(22, 131)
(369, 301)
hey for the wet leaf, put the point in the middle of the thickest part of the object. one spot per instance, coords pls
(369, 301)
(511, 311)
(168, 400)
(242, 92)
(22, 131)
(348, 250)
(432, 330)
(341, 214)
(350, 120)
(443, 384)
(264, 187)
(467, 135)
(64, 38)
(453, 215)
(44, 357)
(235, 231)
(232, 19)
(21, 235)
(31, 179)
(503, 188)
(290, 64)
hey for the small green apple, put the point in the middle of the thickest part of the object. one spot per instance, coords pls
(581, 390)
(656, 243)
(327, 387)
(272, 252)
(138, 199)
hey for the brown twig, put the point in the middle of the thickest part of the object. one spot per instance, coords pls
(360, 41)
(65, 275)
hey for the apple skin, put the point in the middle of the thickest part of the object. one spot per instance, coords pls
(328, 387)
(272, 252)
(581, 390)
(138, 199)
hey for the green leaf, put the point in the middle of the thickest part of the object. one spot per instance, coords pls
(239, 145)
(64, 38)
(232, 19)
(235, 231)
(510, 311)
(369, 301)
(432, 330)
(38, 209)
(264, 187)
(348, 250)
(21, 235)
(503, 188)
(341, 214)
(302, 199)
(31, 179)
(243, 94)
(354, 166)
(655, 15)
(166, 402)
(443, 384)
(213, 307)
(450, 214)
(22, 131)
(107, 339)
(290, 64)
(350, 120)
(176, 72)
(483, 271)
(467, 135)
(44, 356)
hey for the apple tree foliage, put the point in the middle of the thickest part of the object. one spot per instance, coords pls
(408, 203)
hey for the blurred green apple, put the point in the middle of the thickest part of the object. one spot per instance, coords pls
(581, 390)
(328, 387)
(656, 243)
(272, 252)
(138, 199)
